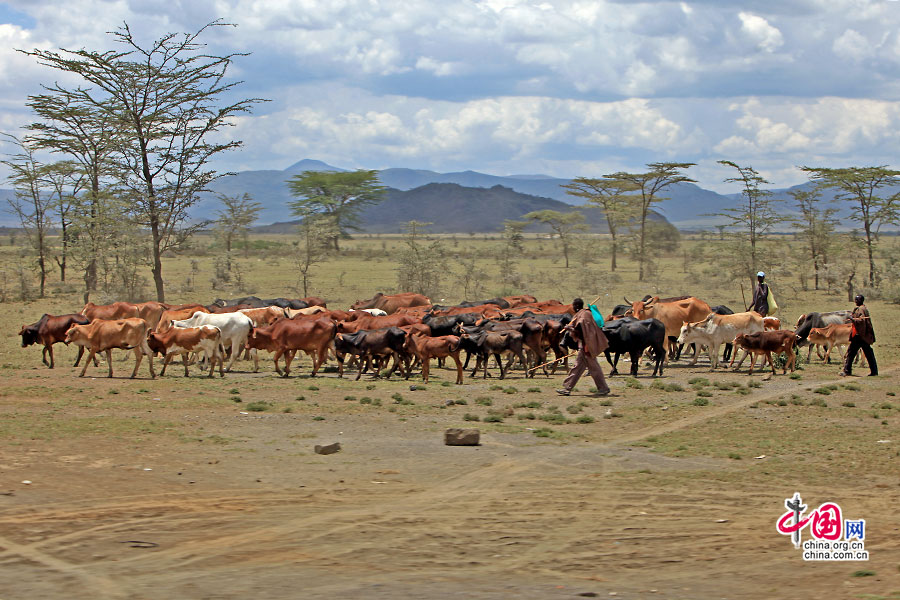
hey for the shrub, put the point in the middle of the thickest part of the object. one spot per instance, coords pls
(704, 393)
(350, 398)
(848, 404)
(236, 399)
(484, 401)
(631, 382)
(527, 416)
(823, 390)
(510, 390)
(318, 418)
(573, 409)
(471, 417)
(795, 376)
(313, 388)
(700, 401)
(496, 388)
(554, 418)
(258, 406)
(543, 432)
(584, 419)
(493, 419)
(698, 381)
(533, 390)
(754, 384)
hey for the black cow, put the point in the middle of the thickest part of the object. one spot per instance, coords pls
(485, 344)
(50, 330)
(285, 303)
(367, 344)
(446, 325)
(815, 319)
(628, 335)
(252, 301)
(498, 301)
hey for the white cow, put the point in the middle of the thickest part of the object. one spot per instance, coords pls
(375, 312)
(235, 328)
(716, 330)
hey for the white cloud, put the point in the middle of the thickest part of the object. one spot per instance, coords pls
(852, 45)
(766, 37)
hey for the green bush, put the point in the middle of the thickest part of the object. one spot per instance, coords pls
(471, 417)
(484, 401)
(584, 419)
(258, 406)
(700, 401)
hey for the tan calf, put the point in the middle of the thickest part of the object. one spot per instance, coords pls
(102, 336)
(206, 340)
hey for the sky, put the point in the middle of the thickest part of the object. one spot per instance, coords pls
(564, 88)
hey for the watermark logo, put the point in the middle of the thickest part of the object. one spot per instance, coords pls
(833, 538)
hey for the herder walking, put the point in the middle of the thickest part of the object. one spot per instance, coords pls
(760, 301)
(591, 343)
(862, 336)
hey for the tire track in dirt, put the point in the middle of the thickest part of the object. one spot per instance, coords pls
(103, 586)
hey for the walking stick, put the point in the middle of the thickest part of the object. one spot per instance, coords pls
(743, 296)
(552, 361)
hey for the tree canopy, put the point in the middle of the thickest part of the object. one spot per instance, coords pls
(335, 197)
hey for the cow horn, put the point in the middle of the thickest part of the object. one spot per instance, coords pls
(627, 301)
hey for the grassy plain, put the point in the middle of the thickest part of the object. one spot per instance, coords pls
(669, 488)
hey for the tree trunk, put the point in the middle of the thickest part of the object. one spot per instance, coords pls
(871, 257)
(566, 254)
(157, 262)
(641, 246)
(816, 267)
(612, 266)
(43, 273)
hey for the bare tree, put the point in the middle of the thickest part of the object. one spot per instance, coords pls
(32, 201)
(565, 226)
(167, 97)
(815, 225)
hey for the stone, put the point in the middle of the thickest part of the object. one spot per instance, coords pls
(462, 437)
(328, 448)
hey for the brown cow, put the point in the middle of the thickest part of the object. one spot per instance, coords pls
(314, 301)
(835, 335)
(425, 348)
(390, 304)
(287, 336)
(178, 314)
(107, 312)
(103, 335)
(672, 314)
(765, 343)
(376, 323)
(186, 340)
(516, 301)
(50, 330)
(264, 316)
(290, 313)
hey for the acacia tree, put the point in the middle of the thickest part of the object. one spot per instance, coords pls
(860, 187)
(339, 196)
(754, 216)
(66, 181)
(815, 226)
(235, 218)
(32, 201)
(167, 99)
(647, 187)
(421, 265)
(612, 197)
(311, 248)
(565, 225)
(88, 136)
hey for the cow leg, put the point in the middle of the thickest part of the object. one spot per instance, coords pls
(613, 364)
(166, 362)
(44, 356)
(713, 357)
(426, 362)
(360, 371)
(235, 350)
(109, 362)
(288, 358)
(771, 362)
(86, 363)
(138, 357)
(635, 357)
(184, 360)
(459, 367)
(80, 354)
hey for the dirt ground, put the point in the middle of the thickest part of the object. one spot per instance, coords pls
(172, 488)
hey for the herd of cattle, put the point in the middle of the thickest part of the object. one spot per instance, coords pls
(409, 330)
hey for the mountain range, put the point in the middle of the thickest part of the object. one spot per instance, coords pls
(476, 201)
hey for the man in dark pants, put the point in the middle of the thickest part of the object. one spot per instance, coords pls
(760, 302)
(862, 336)
(591, 343)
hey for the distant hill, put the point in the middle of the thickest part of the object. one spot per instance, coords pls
(685, 207)
(452, 208)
